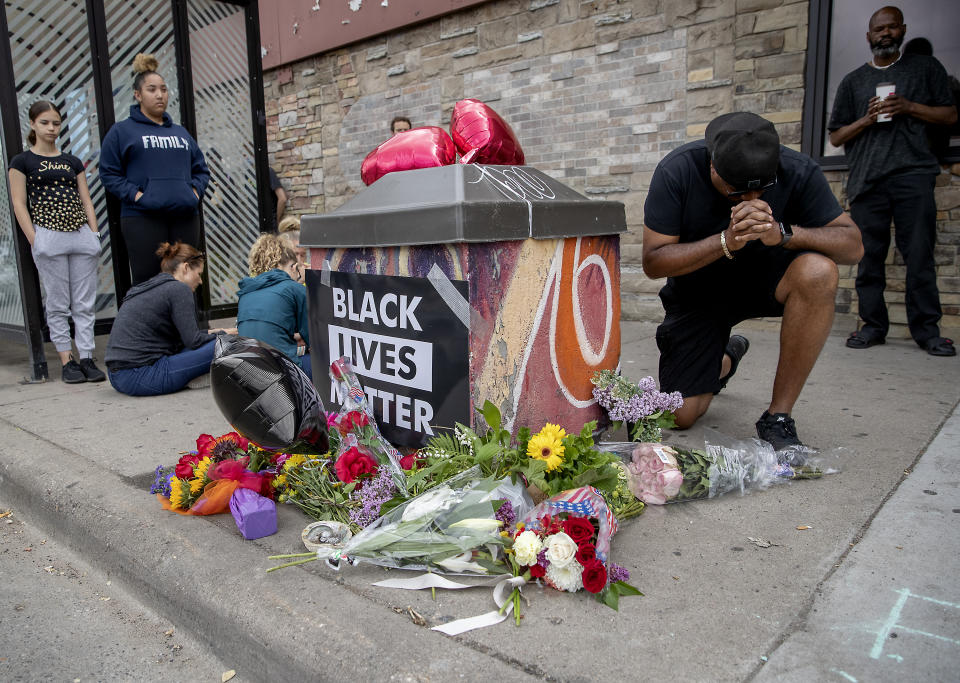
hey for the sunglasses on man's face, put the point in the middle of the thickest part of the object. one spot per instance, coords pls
(736, 194)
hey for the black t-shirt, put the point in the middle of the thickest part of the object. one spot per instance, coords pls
(52, 196)
(900, 146)
(683, 202)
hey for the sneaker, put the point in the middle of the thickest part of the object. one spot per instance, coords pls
(72, 373)
(737, 348)
(201, 382)
(779, 430)
(91, 371)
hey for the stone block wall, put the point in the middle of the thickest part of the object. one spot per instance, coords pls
(598, 91)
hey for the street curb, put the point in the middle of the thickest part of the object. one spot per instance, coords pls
(292, 624)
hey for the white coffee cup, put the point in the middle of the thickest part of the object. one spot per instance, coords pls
(883, 91)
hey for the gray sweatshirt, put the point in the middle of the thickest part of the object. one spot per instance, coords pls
(157, 318)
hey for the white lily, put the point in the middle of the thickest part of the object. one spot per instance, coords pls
(461, 563)
(478, 524)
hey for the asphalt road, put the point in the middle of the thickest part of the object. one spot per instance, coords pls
(61, 620)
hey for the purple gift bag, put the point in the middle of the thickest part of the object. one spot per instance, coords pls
(255, 515)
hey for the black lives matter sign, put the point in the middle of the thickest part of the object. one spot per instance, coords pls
(409, 350)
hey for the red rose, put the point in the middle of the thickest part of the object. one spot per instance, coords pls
(537, 571)
(579, 529)
(205, 444)
(353, 463)
(336, 369)
(594, 576)
(353, 420)
(586, 554)
(408, 461)
(184, 468)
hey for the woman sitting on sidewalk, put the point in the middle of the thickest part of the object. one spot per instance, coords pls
(156, 346)
(272, 304)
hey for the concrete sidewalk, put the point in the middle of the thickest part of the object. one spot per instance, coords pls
(77, 461)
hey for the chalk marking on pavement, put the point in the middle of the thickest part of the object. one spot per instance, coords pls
(888, 625)
(845, 675)
(893, 617)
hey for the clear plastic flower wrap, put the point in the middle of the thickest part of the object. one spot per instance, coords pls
(453, 528)
(659, 473)
(362, 449)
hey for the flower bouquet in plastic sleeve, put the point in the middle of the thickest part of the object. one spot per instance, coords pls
(565, 540)
(452, 528)
(362, 450)
(659, 474)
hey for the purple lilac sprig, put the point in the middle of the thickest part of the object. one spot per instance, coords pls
(506, 514)
(372, 495)
(640, 406)
(618, 573)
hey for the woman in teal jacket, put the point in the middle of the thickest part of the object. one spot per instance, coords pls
(272, 302)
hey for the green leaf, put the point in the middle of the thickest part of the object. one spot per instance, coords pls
(611, 598)
(624, 588)
(491, 414)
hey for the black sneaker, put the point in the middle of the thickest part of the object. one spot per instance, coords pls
(72, 373)
(737, 348)
(91, 371)
(779, 430)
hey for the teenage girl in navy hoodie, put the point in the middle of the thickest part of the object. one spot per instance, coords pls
(157, 170)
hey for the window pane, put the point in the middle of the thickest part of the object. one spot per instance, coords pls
(218, 52)
(935, 20)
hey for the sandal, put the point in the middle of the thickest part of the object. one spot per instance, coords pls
(737, 347)
(940, 346)
(858, 340)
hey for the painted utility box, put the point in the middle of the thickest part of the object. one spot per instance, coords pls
(453, 285)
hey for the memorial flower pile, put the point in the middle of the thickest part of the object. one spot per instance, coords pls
(646, 410)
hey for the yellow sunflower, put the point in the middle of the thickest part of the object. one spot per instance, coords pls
(547, 444)
(200, 471)
(179, 493)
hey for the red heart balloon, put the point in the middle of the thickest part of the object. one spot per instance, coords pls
(483, 137)
(418, 148)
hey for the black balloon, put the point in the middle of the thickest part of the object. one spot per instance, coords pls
(266, 397)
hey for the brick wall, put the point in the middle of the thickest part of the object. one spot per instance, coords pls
(597, 91)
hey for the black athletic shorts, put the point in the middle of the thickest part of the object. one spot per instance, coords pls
(692, 337)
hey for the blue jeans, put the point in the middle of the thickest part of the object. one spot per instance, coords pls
(304, 362)
(168, 374)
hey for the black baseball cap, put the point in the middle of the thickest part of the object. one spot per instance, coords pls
(744, 148)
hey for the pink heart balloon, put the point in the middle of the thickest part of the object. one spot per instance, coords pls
(482, 137)
(418, 148)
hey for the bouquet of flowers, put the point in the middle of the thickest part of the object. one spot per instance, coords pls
(362, 451)
(202, 481)
(565, 540)
(646, 411)
(549, 461)
(307, 482)
(659, 474)
(453, 528)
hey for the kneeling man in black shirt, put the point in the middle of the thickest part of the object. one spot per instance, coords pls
(742, 227)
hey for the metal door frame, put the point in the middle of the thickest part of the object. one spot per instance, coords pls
(33, 332)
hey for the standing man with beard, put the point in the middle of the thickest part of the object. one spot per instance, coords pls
(892, 175)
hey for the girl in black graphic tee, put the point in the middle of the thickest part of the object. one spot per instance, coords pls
(156, 170)
(52, 204)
